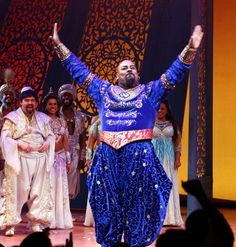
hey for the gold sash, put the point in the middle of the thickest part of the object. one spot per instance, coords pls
(121, 138)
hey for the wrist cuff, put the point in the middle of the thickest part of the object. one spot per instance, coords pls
(187, 55)
(89, 154)
(62, 51)
(68, 158)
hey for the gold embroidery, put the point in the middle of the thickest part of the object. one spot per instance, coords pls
(187, 55)
(46, 206)
(88, 80)
(123, 104)
(121, 138)
(62, 51)
(8, 214)
(165, 83)
(125, 95)
(120, 122)
(132, 114)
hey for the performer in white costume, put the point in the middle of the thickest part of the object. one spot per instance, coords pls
(7, 98)
(62, 218)
(28, 149)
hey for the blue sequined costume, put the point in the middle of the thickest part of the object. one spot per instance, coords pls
(128, 185)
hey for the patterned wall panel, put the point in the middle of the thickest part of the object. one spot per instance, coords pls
(201, 97)
(115, 30)
(24, 43)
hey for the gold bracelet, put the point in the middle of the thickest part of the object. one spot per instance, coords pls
(165, 83)
(62, 51)
(89, 154)
(68, 157)
(88, 80)
(187, 55)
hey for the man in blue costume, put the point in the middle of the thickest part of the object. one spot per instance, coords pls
(128, 186)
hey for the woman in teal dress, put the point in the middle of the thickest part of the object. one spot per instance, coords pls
(167, 145)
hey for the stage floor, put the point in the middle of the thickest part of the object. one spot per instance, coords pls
(85, 236)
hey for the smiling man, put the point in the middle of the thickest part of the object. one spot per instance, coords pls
(28, 149)
(129, 189)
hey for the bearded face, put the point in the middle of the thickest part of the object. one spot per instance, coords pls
(29, 105)
(8, 98)
(127, 74)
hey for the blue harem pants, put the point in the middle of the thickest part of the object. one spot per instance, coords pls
(129, 194)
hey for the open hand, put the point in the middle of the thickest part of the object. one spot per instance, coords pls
(55, 37)
(177, 164)
(196, 37)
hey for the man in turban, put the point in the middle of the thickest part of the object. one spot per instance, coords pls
(7, 93)
(76, 129)
(7, 99)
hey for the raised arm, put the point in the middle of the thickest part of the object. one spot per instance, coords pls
(175, 73)
(76, 68)
(196, 37)
(188, 54)
(78, 71)
(55, 37)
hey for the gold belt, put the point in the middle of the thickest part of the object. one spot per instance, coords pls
(121, 138)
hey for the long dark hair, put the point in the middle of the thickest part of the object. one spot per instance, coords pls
(45, 101)
(170, 118)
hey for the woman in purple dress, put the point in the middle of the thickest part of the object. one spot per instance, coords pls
(62, 218)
